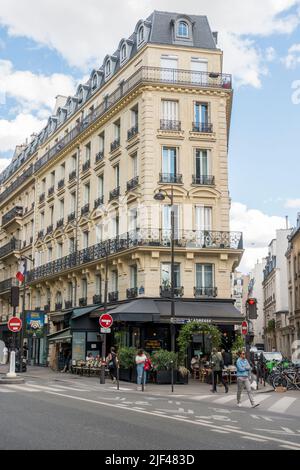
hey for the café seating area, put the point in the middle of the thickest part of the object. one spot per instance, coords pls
(88, 368)
(203, 374)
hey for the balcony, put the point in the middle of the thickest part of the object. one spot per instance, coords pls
(72, 176)
(49, 229)
(165, 292)
(204, 180)
(170, 178)
(85, 209)
(113, 296)
(58, 306)
(51, 191)
(115, 145)
(41, 234)
(133, 183)
(83, 302)
(61, 184)
(115, 194)
(167, 125)
(12, 218)
(205, 292)
(99, 157)
(86, 166)
(203, 127)
(6, 285)
(47, 308)
(188, 240)
(71, 217)
(132, 132)
(60, 223)
(98, 202)
(17, 183)
(97, 299)
(10, 248)
(42, 198)
(132, 293)
(68, 304)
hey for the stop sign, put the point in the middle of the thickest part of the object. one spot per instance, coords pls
(106, 320)
(244, 328)
(14, 324)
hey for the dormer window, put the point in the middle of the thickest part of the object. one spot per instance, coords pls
(95, 81)
(123, 52)
(141, 35)
(183, 29)
(80, 96)
(107, 68)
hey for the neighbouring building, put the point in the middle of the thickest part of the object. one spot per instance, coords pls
(293, 262)
(275, 286)
(239, 290)
(79, 198)
(255, 290)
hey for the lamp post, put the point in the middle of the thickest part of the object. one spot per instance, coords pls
(161, 196)
(23, 312)
(103, 352)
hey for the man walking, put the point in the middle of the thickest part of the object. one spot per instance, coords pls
(217, 368)
(243, 372)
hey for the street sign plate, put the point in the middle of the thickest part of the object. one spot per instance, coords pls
(106, 320)
(14, 324)
(105, 330)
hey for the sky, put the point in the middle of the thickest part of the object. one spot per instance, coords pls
(47, 48)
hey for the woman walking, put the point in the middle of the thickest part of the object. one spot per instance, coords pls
(112, 363)
(141, 373)
(243, 371)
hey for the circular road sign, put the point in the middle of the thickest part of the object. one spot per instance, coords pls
(244, 328)
(15, 324)
(105, 320)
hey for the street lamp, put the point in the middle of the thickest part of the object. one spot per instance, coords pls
(161, 196)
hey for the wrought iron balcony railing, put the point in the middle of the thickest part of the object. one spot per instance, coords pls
(205, 291)
(204, 127)
(86, 166)
(12, 214)
(99, 157)
(113, 296)
(72, 176)
(49, 229)
(114, 194)
(168, 125)
(166, 292)
(17, 183)
(83, 302)
(71, 217)
(47, 307)
(51, 191)
(68, 304)
(60, 223)
(133, 183)
(7, 285)
(41, 233)
(58, 306)
(170, 178)
(115, 144)
(132, 293)
(184, 240)
(13, 245)
(61, 184)
(132, 132)
(205, 180)
(85, 209)
(97, 299)
(42, 198)
(98, 202)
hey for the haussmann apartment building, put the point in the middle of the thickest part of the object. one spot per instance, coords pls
(79, 198)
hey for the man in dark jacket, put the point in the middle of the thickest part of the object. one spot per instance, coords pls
(217, 368)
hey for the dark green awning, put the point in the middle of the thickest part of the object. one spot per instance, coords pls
(79, 312)
(60, 336)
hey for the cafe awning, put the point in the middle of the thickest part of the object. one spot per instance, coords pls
(61, 336)
(57, 317)
(140, 310)
(79, 312)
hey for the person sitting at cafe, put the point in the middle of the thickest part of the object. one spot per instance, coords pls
(195, 363)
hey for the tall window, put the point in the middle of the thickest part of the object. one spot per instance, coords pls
(201, 116)
(98, 284)
(42, 220)
(123, 52)
(169, 161)
(88, 152)
(133, 220)
(199, 68)
(166, 221)
(49, 254)
(85, 240)
(87, 193)
(70, 292)
(204, 276)
(62, 208)
(73, 202)
(84, 288)
(101, 142)
(59, 250)
(100, 185)
(108, 68)
(72, 245)
(134, 116)
(183, 29)
(169, 65)
(203, 218)
(166, 275)
(141, 35)
(62, 170)
(74, 162)
(134, 165)
(169, 110)
(117, 129)
(133, 277)
(114, 281)
(99, 233)
(117, 176)
(202, 163)
(52, 178)
(51, 214)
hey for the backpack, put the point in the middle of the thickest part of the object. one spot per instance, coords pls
(147, 365)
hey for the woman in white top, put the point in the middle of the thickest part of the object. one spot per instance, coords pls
(140, 360)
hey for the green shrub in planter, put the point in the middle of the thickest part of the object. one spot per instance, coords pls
(162, 360)
(126, 357)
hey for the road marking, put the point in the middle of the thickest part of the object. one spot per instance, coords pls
(260, 399)
(203, 397)
(41, 388)
(4, 390)
(22, 388)
(231, 427)
(175, 418)
(290, 447)
(256, 439)
(64, 387)
(282, 405)
(225, 399)
(220, 431)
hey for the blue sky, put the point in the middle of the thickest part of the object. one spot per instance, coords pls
(43, 53)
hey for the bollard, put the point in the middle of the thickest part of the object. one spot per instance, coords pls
(12, 365)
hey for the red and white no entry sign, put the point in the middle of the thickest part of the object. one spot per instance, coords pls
(244, 328)
(106, 320)
(14, 324)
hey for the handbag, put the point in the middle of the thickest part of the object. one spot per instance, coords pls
(147, 365)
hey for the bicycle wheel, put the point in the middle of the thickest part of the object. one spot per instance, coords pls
(279, 381)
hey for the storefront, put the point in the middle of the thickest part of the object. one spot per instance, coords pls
(35, 338)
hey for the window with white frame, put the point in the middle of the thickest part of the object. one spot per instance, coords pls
(134, 164)
(183, 29)
(133, 277)
(71, 245)
(114, 281)
(169, 161)
(123, 52)
(141, 35)
(101, 142)
(204, 276)
(99, 233)
(169, 65)
(85, 240)
(87, 152)
(108, 68)
(49, 254)
(166, 275)
(95, 81)
(117, 175)
(98, 284)
(59, 250)
(166, 221)
(86, 195)
(84, 286)
(203, 218)
(61, 208)
(202, 163)
(169, 110)
(199, 68)
(133, 220)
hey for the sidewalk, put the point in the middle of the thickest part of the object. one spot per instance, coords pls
(193, 388)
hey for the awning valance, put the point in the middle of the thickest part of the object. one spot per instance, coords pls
(79, 312)
(61, 336)
(140, 310)
(57, 317)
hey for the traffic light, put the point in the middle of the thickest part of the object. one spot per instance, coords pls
(14, 296)
(251, 307)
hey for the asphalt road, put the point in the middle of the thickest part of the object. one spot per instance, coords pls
(61, 415)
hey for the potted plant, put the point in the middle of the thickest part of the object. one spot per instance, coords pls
(162, 363)
(126, 358)
(182, 375)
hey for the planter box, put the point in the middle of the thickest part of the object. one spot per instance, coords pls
(182, 379)
(125, 375)
(163, 377)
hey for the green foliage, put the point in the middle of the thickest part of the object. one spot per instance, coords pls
(239, 343)
(126, 357)
(119, 339)
(193, 328)
(162, 359)
(271, 326)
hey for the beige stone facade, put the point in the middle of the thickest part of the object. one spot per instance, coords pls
(94, 179)
(293, 261)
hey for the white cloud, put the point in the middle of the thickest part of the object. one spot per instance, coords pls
(292, 60)
(4, 162)
(258, 231)
(84, 32)
(292, 204)
(270, 54)
(33, 92)
(17, 130)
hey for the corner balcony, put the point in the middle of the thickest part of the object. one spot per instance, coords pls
(168, 125)
(85, 210)
(133, 183)
(86, 166)
(166, 292)
(132, 293)
(114, 194)
(200, 292)
(132, 132)
(171, 178)
(113, 296)
(13, 218)
(10, 249)
(98, 202)
(204, 180)
(115, 145)
(99, 157)
(203, 127)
